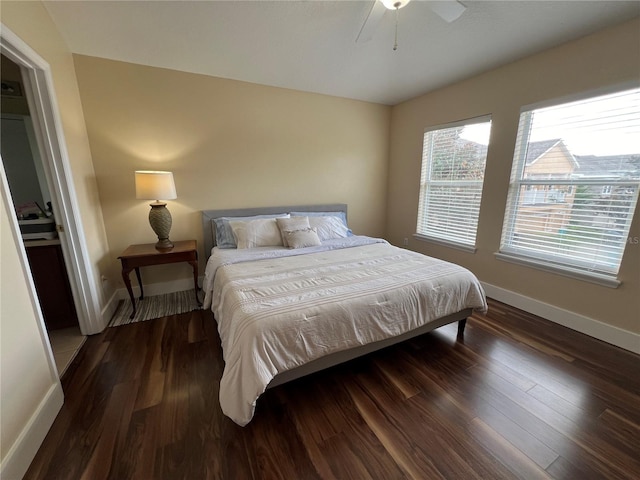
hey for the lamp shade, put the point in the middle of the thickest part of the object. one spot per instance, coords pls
(155, 185)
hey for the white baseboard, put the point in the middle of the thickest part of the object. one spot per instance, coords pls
(21, 454)
(589, 326)
(158, 288)
(110, 308)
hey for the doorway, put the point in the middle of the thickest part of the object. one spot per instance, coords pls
(32, 202)
(47, 129)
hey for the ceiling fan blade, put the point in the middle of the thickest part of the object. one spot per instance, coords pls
(371, 23)
(448, 10)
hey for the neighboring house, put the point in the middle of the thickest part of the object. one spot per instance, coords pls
(607, 201)
(547, 208)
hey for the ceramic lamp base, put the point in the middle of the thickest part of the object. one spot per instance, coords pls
(164, 244)
(160, 221)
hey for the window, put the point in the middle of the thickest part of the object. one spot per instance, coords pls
(574, 186)
(453, 162)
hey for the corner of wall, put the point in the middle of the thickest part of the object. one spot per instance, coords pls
(17, 460)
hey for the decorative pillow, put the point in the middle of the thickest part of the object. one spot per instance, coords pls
(329, 227)
(224, 234)
(291, 225)
(302, 238)
(263, 232)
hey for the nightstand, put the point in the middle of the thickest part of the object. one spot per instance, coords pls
(144, 255)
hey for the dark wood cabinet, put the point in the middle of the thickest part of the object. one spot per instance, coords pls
(52, 284)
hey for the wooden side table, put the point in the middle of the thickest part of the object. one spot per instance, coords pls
(136, 256)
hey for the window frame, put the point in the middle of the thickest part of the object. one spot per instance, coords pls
(466, 247)
(540, 260)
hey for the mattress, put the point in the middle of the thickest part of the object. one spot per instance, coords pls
(278, 308)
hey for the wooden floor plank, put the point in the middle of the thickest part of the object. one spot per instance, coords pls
(518, 436)
(521, 465)
(414, 463)
(488, 407)
(516, 397)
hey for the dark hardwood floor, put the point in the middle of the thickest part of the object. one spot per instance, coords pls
(518, 397)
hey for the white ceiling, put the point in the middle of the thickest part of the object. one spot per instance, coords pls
(310, 45)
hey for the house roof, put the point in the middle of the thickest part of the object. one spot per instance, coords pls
(612, 166)
(619, 166)
(536, 149)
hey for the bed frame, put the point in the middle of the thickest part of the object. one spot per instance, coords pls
(346, 355)
(208, 229)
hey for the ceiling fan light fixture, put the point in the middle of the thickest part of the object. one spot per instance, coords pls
(395, 4)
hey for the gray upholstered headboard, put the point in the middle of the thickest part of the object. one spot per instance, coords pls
(208, 215)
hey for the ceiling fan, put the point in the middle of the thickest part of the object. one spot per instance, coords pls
(448, 10)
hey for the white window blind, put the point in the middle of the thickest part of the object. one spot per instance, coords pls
(574, 184)
(453, 162)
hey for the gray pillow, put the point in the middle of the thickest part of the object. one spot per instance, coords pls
(302, 238)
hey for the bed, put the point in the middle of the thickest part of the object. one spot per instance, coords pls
(326, 297)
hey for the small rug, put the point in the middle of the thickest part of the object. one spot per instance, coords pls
(156, 306)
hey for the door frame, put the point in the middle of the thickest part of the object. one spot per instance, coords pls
(47, 124)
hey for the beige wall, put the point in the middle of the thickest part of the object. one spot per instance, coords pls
(604, 59)
(25, 374)
(31, 22)
(229, 144)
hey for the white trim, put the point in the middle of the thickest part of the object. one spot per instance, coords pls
(594, 328)
(38, 83)
(24, 449)
(110, 307)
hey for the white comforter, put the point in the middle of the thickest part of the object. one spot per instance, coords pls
(278, 308)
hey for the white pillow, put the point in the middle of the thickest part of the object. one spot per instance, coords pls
(224, 234)
(291, 225)
(329, 227)
(302, 238)
(256, 233)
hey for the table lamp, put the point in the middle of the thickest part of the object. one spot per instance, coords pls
(155, 185)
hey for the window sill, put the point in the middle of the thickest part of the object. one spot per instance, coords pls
(445, 243)
(569, 272)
